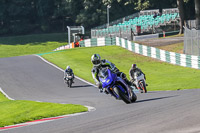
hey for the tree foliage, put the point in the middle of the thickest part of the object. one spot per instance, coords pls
(36, 16)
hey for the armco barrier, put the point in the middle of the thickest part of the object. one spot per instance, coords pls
(97, 42)
(163, 55)
(91, 42)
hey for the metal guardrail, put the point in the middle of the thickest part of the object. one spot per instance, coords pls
(170, 10)
(149, 12)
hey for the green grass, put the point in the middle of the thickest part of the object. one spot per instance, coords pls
(20, 111)
(177, 35)
(34, 39)
(30, 44)
(177, 47)
(160, 75)
(27, 49)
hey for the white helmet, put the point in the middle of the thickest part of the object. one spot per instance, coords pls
(68, 67)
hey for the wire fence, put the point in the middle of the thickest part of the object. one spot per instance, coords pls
(192, 41)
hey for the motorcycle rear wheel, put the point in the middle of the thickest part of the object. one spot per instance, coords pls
(142, 86)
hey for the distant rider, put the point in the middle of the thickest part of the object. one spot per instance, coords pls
(135, 70)
(67, 72)
(98, 64)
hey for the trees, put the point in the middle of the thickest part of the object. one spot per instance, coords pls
(95, 12)
(33, 16)
(188, 5)
(180, 4)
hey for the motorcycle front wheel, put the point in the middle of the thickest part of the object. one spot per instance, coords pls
(70, 83)
(122, 95)
(134, 97)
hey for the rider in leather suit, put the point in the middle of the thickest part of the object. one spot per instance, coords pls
(98, 64)
(68, 71)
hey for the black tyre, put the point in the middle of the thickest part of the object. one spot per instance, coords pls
(134, 97)
(67, 82)
(70, 83)
(142, 87)
(122, 95)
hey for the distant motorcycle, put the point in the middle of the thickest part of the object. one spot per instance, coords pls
(69, 80)
(116, 86)
(140, 82)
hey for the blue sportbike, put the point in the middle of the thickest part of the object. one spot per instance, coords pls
(116, 86)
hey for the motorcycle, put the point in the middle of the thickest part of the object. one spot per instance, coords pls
(140, 82)
(69, 80)
(116, 86)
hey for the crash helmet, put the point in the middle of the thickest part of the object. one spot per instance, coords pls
(68, 67)
(96, 59)
(134, 66)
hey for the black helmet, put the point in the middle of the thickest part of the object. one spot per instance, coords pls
(134, 66)
(96, 59)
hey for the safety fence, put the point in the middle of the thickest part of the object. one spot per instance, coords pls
(163, 55)
(98, 42)
(90, 43)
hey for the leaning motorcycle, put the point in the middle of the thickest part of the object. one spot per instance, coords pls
(116, 86)
(140, 82)
(69, 80)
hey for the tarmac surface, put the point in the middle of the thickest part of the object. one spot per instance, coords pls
(30, 78)
(161, 41)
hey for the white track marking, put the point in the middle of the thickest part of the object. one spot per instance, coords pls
(6, 94)
(46, 119)
(63, 70)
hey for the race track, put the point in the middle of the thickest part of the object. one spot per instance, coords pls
(30, 78)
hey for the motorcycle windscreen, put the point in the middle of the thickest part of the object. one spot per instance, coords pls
(105, 77)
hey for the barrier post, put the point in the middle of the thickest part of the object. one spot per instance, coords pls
(163, 33)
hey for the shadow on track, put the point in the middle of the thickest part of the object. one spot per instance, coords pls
(78, 86)
(152, 99)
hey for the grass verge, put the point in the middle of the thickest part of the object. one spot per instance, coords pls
(27, 49)
(177, 47)
(20, 111)
(160, 75)
(30, 44)
(25, 39)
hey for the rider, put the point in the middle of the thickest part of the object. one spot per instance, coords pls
(98, 64)
(68, 71)
(134, 69)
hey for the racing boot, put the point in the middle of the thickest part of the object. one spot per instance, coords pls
(127, 81)
(123, 76)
